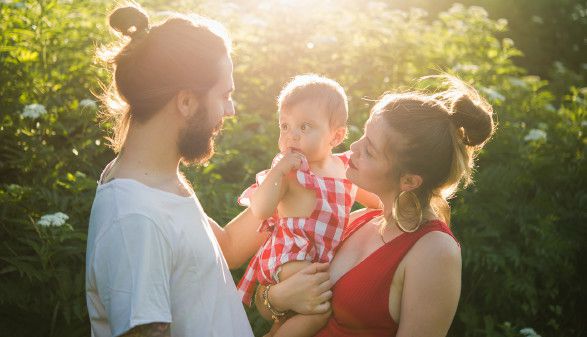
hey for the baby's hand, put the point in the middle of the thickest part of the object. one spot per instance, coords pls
(290, 161)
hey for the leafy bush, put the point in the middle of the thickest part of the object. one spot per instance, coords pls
(520, 225)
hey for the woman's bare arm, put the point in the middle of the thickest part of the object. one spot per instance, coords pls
(432, 285)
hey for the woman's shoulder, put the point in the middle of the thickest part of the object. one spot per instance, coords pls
(436, 246)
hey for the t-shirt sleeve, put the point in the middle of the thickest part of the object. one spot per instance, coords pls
(133, 263)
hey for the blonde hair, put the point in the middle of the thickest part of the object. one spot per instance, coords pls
(325, 92)
(441, 135)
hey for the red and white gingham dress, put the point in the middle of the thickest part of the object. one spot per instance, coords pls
(296, 238)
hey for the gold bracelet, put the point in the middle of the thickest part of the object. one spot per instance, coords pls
(275, 314)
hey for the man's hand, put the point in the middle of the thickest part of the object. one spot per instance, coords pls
(149, 330)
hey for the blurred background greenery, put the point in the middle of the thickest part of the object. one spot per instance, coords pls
(521, 226)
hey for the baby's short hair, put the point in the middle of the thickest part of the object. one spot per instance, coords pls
(315, 88)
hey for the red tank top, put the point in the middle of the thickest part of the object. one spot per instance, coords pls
(360, 299)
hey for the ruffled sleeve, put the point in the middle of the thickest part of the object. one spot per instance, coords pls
(304, 176)
(245, 198)
(345, 157)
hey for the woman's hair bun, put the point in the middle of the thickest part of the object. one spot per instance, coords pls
(129, 20)
(475, 119)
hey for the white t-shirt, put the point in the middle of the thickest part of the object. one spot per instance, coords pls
(153, 257)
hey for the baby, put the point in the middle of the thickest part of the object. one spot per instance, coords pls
(305, 198)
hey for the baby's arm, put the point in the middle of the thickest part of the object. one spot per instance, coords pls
(265, 199)
(368, 199)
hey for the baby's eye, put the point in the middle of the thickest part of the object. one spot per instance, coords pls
(283, 127)
(305, 126)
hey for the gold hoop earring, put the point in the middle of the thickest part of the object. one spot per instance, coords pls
(418, 208)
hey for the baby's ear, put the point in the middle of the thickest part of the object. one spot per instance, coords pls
(338, 136)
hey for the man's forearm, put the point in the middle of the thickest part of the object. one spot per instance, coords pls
(239, 239)
(149, 330)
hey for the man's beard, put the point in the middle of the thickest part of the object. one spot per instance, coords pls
(196, 139)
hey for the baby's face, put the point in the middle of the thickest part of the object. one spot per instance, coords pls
(305, 127)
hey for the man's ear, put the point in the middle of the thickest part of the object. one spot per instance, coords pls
(338, 136)
(186, 103)
(409, 182)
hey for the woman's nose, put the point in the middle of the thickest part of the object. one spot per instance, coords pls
(353, 147)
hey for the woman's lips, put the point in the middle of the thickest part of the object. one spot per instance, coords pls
(351, 165)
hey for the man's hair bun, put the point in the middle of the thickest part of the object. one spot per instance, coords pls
(129, 21)
(476, 121)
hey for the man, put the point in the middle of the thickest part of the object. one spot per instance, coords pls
(155, 263)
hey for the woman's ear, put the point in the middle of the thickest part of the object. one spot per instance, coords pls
(338, 136)
(409, 182)
(186, 103)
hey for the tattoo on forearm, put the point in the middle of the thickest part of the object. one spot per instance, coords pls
(150, 330)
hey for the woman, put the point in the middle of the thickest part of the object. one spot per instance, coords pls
(398, 272)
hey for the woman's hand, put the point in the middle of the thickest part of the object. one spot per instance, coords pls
(306, 292)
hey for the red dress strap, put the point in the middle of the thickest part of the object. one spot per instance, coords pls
(360, 221)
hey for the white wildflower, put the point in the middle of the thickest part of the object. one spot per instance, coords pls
(493, 94)
(478, 11)
(535, 135)
(529, 332)
(88, 103)
(459, 25)
(13, 188)
(456, 8)
(502, 23)
(518, 82)
(507, 42)
(56, 220)
(560, 67)
(537, 19)
(34, 111)
(418, 13)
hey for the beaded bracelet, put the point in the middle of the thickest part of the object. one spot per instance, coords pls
(275, 314)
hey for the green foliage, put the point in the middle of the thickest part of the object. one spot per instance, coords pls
(48, 164)
(520, 225)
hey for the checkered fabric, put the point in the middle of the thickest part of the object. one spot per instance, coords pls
(300, 239)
